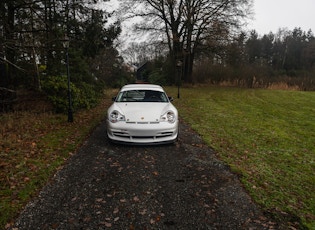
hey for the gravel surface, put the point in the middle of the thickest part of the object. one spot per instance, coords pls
(178, 186)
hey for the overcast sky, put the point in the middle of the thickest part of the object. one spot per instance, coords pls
(270, 15)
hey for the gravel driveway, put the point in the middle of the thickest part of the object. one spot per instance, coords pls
(178, 186)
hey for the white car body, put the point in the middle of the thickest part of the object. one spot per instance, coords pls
(133, 118)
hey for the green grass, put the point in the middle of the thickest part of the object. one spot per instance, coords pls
(266, 136)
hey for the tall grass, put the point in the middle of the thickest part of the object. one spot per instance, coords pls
(266, 136)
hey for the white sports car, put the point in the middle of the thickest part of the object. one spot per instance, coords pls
(142, 114)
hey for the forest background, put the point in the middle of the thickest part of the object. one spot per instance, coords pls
(185, 42)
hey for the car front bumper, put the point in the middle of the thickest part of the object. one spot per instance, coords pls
(142, 132)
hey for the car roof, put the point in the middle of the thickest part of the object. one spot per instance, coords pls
(142, 86)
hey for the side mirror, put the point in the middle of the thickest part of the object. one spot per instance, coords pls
(113, 98)
(171, 98)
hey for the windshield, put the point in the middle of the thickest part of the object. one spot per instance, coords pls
(142, 96)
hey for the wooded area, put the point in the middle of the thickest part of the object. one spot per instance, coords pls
(250, 60)
(203, 42)
(32, 55)
(187, 41)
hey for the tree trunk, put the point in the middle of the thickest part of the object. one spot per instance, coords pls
(9, 51)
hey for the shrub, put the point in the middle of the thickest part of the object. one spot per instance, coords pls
(83, 95)
(157, 77)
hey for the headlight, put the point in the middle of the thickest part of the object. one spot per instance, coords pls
(116, 116)
(168, 116)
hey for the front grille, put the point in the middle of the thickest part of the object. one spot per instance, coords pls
(142, 137)
(143, 122)
(165, 134)
(121, 134)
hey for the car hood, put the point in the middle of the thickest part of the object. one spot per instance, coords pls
(142, 111)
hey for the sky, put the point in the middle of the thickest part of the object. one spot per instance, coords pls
(270, 15)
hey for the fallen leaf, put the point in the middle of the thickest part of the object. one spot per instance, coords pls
(143, 212)
(107, 224)
(116, 210)
(158, 218)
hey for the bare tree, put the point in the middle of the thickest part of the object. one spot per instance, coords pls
(186, 25)
(140, 52)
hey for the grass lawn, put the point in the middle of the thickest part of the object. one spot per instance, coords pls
(266, 136)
